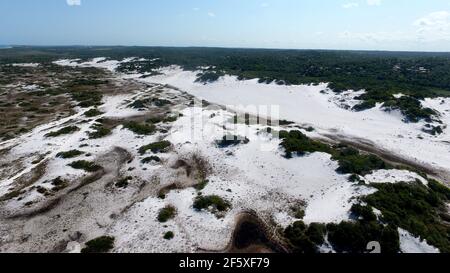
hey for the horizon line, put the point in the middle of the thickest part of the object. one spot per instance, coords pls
(9, 46)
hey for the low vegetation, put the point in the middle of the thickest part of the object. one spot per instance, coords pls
(137, 104)
(156, 147)
(59, 184)
(295, 142)
(87, 99)
(409, 105)
(350, 160)
(354, 237)
(169, 235)
(99, 245)
(305, 239)
(381, 74)
(140, 128)
(166, 119)
(411, 108)
(69, 154)
(64, 131)
(85, 165)
(416, 208)
(166, 213)
(215, 202)
(298, 211)
(86, 82)
(151, 159)
(209, 76)
(345, 237)
(144, 103)
(100, 131)
(433, 130)
(93, 113)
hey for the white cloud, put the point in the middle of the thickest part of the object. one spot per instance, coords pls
(211, 14)
(350, 5)
(196, 9)
(374, 2)
(73, 2)
(264, 5)
(434, 26)
(430, 29)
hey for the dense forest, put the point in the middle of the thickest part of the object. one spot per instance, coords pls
(381, 74)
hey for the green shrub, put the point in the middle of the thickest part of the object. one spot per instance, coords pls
(138, 104)
(85, 165)
(299, 214)
(364, 213)
(59, 184)
(214, 201)
(156, 147)
(304, 239)
(140, 128)
(151, 159)
(87, 98)
(166, 213)
(411, 108)
(352, 162)
(365, 105)
(169, 235)
(441, 190)
(99, 132)
(209, 76)
(64, 131)
(355, 178)
(433, 130)
(93, 113)
(414, 207)
(316, 233)
(99, 245)
(298, 143)
(69, 154)
(354, 237)
(42, 190)
(86, 82)
(284, 122)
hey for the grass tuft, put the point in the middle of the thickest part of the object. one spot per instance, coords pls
(64, 131)
(166, 213)
(99, 245)
(85, 165)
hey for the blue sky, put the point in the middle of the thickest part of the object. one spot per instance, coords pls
(328, 24)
